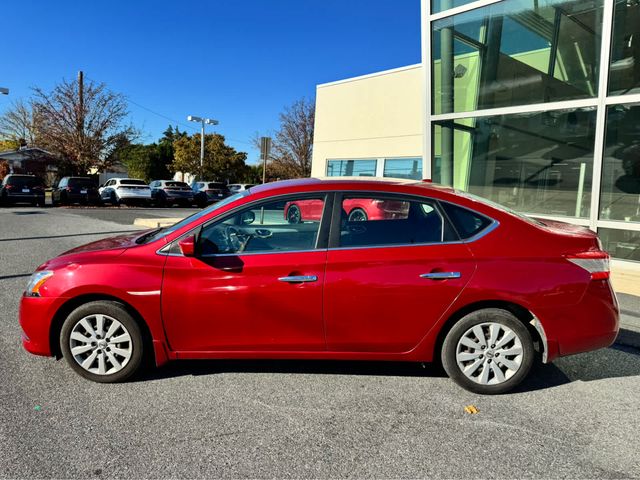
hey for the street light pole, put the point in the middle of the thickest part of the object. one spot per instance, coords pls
(202, 121)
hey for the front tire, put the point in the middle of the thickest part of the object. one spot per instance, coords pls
(102, 342)
(488, 351)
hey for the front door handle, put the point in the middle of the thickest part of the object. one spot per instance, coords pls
(440, 275)
(299, 279)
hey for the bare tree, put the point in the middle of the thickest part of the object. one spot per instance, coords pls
(82, 123)
(20, 124)
(292, 144)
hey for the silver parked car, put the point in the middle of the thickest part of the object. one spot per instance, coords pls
(125, 190)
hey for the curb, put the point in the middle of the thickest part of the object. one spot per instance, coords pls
(156, 222)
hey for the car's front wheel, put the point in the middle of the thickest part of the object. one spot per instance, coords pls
(102, 342)
(488, 351)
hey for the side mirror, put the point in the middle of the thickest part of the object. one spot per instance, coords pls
(188, 246)
(248, 218)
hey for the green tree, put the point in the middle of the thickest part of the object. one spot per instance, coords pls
(9, 145)
(221, 162)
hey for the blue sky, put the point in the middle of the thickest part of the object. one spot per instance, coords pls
(236, 61)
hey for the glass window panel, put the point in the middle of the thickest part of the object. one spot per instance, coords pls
(390, 221)
(403, 168)
(351, 168)
(625, 50)
(533, 162)
(271, 227)
(441, 5)
(516, 52)
(620, 194)
(622, 244)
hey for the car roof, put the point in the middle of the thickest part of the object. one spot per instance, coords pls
(346, 183)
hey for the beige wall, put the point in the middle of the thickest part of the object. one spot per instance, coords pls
(374, 116)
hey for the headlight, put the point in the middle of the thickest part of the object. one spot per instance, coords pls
(36, 281)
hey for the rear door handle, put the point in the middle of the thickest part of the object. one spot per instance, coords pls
(440, 275)
(299, 279)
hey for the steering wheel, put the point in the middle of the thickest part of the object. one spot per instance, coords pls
(236, 239)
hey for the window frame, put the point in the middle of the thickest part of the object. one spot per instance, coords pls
(321, 239)
(336, 218)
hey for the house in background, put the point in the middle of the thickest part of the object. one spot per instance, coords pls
(32, 161)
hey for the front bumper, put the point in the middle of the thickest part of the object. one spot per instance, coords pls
(36, 315)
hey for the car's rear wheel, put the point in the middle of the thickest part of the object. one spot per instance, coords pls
(358, 215)
(293, 214)
(102, 342)
(488, 351)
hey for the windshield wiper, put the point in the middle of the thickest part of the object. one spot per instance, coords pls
(148, 235)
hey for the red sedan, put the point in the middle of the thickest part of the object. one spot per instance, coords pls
(448, 276)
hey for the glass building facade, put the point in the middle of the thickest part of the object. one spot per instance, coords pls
(535, 104)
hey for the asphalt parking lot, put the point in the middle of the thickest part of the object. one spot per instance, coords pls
(576, 418)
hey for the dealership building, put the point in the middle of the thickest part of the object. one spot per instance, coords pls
(534, 104)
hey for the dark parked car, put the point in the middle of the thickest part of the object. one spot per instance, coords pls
(453, 277)
(206, 193)
(22, 189)
(165, 193)
(70, 190)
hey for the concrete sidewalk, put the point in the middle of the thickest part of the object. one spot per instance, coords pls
(629, 320)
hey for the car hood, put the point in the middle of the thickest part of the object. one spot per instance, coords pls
(120, 242)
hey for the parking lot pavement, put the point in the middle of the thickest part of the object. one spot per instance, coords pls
(575, 418)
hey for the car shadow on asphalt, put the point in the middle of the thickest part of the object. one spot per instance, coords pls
(612, 362)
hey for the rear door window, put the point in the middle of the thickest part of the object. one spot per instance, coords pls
(380, 221)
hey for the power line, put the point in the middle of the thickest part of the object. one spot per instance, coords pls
(176, 122)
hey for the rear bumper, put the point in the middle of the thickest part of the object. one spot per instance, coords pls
(134, 195)
(36, 314)
(591, 324)
(25, 197)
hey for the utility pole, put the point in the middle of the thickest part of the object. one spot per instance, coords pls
(80, 126)
(265, 151)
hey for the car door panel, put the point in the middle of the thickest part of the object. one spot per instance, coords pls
(377, 301)
(238, 302)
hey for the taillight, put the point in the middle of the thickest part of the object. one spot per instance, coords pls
(595, 262)
(68, 189)
(9, 186)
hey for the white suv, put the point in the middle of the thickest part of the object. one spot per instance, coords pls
(125, 190)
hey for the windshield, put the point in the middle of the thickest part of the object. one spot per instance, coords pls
(176, 184)
(80, 182)
(217, 185)
(24, 181)
(129, 181)
(161, 233)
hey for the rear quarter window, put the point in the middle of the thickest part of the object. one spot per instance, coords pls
(467, 222)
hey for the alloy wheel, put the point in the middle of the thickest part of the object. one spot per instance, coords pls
(100, 344)
(489, 353)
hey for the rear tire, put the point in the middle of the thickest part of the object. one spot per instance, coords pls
(358, 215)
(488, 351)
(102, 342)
(294, 215)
